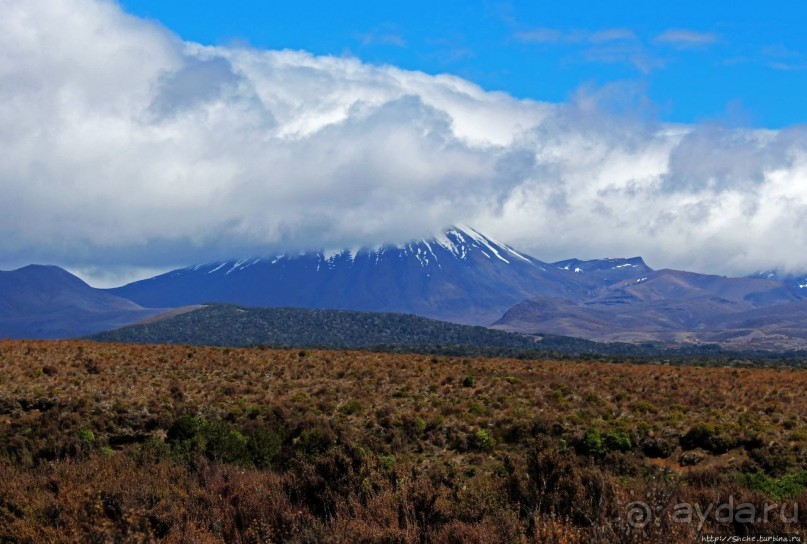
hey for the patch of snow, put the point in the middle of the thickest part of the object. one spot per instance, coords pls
(456, 246)
(378, 253)
(219, 267)
(640, 280)
(457, 234)
(236, 265)
(330, 254)
(578, 270)
(486, 239)
(803, 286)
(433, 254)
(626, 264)
(277, 258)
(444, 241)
(516, 253)
(479, 238)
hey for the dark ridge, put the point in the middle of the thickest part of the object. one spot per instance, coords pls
(226, 325)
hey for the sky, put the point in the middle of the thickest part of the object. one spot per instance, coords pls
(141, 136)
(740, 63)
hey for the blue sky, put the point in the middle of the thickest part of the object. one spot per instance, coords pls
(734, 63)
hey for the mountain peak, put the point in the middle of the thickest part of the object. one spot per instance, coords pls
(44, 274)
(579, 266)
(42, 301)
(460, 240)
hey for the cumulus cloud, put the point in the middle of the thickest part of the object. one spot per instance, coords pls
(125, 148)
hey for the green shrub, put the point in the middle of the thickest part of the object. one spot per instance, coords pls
(482, 440)
(597, 444)
(191, 436)
(469, 381)
(387, 461)
(618, 441)
(787, 487)
(313, 442)
(708, 437)
(184, 428)
(86, 436)
(593, 443)
(263, 445)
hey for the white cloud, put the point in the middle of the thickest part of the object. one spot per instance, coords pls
(122, 146)
(684, 39)
(555, 36)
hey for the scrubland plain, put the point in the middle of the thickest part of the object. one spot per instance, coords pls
(126, 443)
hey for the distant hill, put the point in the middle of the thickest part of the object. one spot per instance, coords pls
(460, 276)
(674, 306)
(49, 302)
(797, 282)
(231, 325)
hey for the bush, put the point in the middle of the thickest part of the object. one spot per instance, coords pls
(192, 436)
(183, 428)
(225, 444)
(618, 441)
(263, 445)
(708, 437)
(787, 487)
(314, 442)
(482, 440)
(593, 443)
(86, 436)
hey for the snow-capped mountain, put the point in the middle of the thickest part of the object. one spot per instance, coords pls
(459, 275)
(598, 273)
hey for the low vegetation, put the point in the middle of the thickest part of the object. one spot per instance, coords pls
(135, 443)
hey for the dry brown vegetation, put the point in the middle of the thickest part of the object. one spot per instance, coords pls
(124, 443)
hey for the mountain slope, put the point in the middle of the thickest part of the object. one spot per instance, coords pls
(460, 276)
(49, 302)
(673, 306)
(796, 282)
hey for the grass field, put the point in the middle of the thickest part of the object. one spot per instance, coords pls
(125, 443)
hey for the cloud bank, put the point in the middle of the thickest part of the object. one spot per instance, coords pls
(123, 146)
